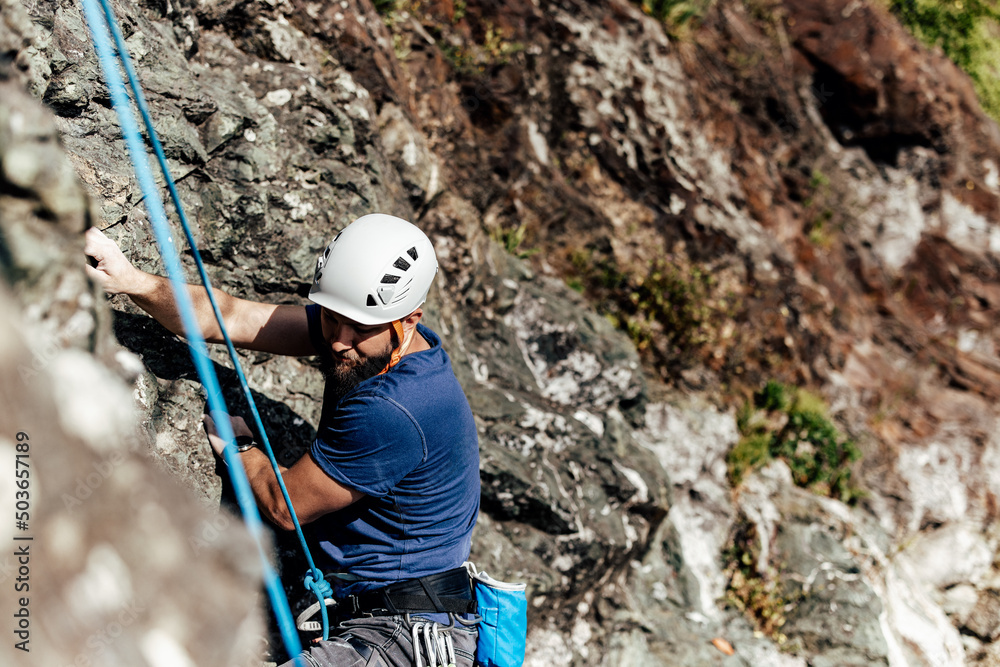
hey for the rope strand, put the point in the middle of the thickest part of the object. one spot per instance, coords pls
(140, 102)
(99, 26)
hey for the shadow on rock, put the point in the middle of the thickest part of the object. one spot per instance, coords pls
(167, 357)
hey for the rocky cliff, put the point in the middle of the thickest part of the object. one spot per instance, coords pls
(652, 243)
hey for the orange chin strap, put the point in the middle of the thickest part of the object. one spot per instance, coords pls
(397, 353)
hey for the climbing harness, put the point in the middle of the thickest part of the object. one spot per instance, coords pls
(302, 621)
(447, 592)
(101, 20)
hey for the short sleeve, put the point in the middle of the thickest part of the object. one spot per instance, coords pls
(373, 444)
(313, 315)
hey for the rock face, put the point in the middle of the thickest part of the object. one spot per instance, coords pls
(113, 557)
(790, 190)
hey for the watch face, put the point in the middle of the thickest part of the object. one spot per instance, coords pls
(244, 442)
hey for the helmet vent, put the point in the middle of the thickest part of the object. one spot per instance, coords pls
(412, 252)
(389, 279)
(401, 264)
(399, 296)
(371, 301)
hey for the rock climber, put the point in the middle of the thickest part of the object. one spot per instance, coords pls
(390, 484)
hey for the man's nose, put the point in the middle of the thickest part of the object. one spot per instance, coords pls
(342, 339)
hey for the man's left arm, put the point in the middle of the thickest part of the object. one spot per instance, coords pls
(313, 493)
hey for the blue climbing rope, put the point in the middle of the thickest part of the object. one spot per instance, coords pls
(315, 580)
(99, 25)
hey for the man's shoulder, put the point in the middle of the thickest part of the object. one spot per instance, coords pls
(369, 413)
(429, 335)
(370, 398)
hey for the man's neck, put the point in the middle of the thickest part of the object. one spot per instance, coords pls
(418, 344)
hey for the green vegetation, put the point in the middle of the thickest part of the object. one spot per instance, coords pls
(675, 301)
(392, 12)
(669, 310)
(676, 15)
(470, 59)
(792, 424)
(511, 240)
(968, 31)
(820, 216)
(818, 180)
(766, 11)
(819, 229)
(385, 7)
(759, 596)
(497, 48)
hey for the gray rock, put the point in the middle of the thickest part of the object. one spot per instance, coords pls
(417, 166)
(984, 620)
(125, 566)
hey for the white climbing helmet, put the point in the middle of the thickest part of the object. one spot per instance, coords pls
(378, 269)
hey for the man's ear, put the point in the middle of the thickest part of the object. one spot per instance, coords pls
(414, 317)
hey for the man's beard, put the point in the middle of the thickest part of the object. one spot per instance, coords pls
(346, 375)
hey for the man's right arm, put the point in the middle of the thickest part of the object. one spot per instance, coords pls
(251, 325)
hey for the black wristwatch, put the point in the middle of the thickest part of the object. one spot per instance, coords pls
(244, 442)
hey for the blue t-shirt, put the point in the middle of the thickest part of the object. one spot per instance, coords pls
(407, 440)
